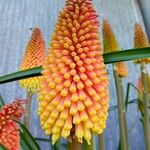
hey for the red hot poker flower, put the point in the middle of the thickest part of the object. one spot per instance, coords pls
(33, 57)
(73, 99)
(140, 41)
(9, 131)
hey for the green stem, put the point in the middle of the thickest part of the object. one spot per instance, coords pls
(145, 106)
(126, 131)
(75, 145)
(28, 110)
(121, 110)
(85, 145)
(102, 141)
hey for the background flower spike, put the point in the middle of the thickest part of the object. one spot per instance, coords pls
(74, 66)
(111, 44)
(140, 41)
(33, 57)
(9, 130)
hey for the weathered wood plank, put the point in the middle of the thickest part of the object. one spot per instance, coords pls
(17, 16)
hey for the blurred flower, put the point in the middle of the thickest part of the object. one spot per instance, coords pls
(121, 69)
(9, 131)
(110, 42)
(140, 94)
(73, 99)
(111, 45)
(140, 91)
(140, 41)
(33, 57)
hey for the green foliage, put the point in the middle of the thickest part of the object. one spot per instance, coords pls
(109, 58)
(1, 102)
(27, 140)
(2, 147)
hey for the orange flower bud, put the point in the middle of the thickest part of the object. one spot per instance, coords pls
(78, 103)
(140, 41)
(33, 57)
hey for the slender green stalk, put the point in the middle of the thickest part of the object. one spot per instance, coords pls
(102, 141)
(121, 111)
(145, 106)
(75, 145)
(28, 110)
(126, 131)
(85, 145)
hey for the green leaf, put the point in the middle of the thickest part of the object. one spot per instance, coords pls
(24, 146)
(42, 140)
(27, 140)
(21, 75)
(129, 85)
(109, 58)
(1, 101)
(2, 147)
(126, 55)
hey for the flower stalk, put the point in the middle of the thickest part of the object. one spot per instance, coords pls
(102, 141)
(121, 110)
(145, 106)
(28, 110)
(74, 145)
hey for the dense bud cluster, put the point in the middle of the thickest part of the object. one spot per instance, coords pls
(33, 57)
(140, 41)
(111, 45)
(9, 131)
(73, 98)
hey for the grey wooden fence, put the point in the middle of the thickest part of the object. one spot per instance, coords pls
(18, 16)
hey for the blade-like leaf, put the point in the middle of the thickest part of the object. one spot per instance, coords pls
(27, 140)
(1, 102)
(2, 147)
(24, 145)
(125, 55)
(42, 140)
(21, 75)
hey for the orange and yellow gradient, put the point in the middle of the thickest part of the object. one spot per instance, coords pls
(140, 41)
(9, 130)
(33, 57)
(110, 44)
(73, 98)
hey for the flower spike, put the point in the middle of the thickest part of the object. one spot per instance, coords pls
(73, 98)
(33, 57)
(9, 130)
(140, 41)
(109, 39)
(110, 44)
